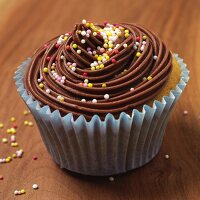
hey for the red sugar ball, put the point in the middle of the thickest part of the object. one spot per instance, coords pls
(15, 126)
(68, 47)
(138, 38)
(57, 45)
(35, 158)
(85, 74)
(113, 60)
(48, 58)
(116, 51)
(105, 23)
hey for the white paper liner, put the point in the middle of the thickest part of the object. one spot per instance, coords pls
(106, 147)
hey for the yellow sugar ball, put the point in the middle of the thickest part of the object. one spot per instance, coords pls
(126, 31)
(99, 58)
(8, 130)
(110, 45)
(97, 67)
(14, 155)
(138, 54)
(1, 125)
(74, 46)
(41, 85)
(26, 123)
(126, 35)
(22, 191)
(103, 85)
(25, 112)
(149, 78)
(119, 34)
(90, 85)
(144, 37)
(107, 57)
(93, 68)
(45, 69)
(62, 99)
(101, 66)
(12, 119)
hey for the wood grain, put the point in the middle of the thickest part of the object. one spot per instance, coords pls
(25, 25)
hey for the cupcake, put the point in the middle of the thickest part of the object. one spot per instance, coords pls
(101, 96)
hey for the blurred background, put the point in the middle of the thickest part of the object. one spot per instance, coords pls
(31, 23)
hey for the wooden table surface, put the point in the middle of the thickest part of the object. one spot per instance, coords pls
(24, 26)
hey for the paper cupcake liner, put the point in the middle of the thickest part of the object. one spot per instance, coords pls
(103, 147)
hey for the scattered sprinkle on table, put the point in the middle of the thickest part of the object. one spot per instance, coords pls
(185, 112)
(14, 126)
(4, 140)
(19, 192)
(12, 119)
(167, 156)
(111, 178)
(35, 157)
(13, 143)
(35, 186)
(30, 123)
(1, 125)
(26, 123)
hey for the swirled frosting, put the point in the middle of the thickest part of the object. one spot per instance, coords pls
(99, 69)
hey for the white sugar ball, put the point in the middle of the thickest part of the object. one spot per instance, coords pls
(94, 101)
(137, 43)
(73, 69)
(125, 45)
(106, 96)
(35, 186)
(83, 33)
(167, 156)
(86, 81)
(74, 64)
(83, 41)
(78, 51)
(48, 91)
(155, 57)
(84, 21)
(134, 47)
(142, 48)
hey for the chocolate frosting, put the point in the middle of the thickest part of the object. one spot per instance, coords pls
(99, 69)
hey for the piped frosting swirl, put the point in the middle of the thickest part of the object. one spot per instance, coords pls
(99, 69)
